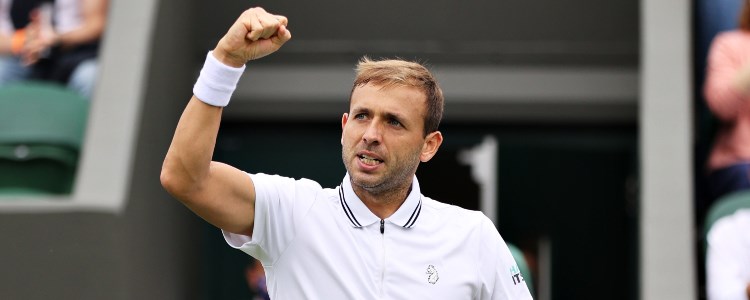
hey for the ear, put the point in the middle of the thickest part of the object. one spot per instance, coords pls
(431, 144)
(344, 118)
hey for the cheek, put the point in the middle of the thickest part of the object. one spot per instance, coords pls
(347, 139)
(344, 136)
(409, 149)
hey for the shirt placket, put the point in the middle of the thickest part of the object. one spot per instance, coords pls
(383, 260)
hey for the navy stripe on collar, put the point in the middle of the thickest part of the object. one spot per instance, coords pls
(414, 215)
(346, 208)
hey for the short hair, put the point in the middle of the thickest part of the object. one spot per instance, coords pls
(744, 23)
(389, 72)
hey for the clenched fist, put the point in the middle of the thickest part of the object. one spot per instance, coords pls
(255, 34)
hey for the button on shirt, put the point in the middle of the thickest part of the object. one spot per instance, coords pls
(317, 243)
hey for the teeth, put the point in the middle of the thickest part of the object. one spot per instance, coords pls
(369, 160)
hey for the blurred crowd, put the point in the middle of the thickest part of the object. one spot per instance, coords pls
(53, 41)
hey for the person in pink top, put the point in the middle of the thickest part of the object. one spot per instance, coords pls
(727, 92)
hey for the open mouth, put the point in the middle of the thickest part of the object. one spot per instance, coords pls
(369, 160)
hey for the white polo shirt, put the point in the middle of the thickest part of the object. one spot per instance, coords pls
(318, 243)
(728, 257)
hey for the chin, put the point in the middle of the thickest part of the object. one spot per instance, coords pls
(365, 181)
(371, 185)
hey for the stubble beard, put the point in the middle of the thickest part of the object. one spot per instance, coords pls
(390, 182)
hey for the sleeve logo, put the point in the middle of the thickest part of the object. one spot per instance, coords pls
(515, 275)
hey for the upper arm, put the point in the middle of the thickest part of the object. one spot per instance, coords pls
(225, 198)
(94, 13)
(95, 8)
(281, 205)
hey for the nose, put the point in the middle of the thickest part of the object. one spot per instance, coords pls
(372, 134)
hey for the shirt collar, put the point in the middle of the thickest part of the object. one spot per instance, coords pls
(359, 215)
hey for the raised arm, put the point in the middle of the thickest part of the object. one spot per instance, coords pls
(221, 194)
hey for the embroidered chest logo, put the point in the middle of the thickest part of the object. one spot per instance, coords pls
(432, 274)
(515, 274)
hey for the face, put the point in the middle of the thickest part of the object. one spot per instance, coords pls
(383, 139)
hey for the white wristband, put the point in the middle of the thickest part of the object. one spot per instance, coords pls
(217, 82)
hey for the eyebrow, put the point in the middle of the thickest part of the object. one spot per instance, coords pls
(396, 117)
(388, 115)
(359, 110)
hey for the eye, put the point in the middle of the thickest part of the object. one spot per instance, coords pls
(360, 116)
(394, 122)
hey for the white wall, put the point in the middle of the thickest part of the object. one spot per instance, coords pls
(666, 229)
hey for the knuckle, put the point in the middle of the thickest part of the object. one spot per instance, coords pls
(270, 21)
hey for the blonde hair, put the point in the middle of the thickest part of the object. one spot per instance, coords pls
(390, 72)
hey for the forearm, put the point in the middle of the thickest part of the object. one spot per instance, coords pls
(189, 157)
(88, 33)
(5, 44)
(221, 194)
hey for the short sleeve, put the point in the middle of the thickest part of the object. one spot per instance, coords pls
(280, 203)
(499, 273)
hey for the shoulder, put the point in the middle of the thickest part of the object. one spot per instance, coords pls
(445, 208)
(262, 178)
(455, 216)
(280, 185)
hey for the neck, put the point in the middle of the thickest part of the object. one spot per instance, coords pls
(383, 204)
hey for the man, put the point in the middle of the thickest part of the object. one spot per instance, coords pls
(373, 237)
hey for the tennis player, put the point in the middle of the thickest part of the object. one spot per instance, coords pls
(375, 236)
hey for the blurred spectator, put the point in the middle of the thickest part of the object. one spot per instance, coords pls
(59, 42)
(727, 92)
(14, 17)
(728, 257)
(256, 280)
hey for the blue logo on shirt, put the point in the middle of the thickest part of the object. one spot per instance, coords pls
(515, 274)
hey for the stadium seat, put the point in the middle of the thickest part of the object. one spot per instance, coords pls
(41, 131)
(522, 265)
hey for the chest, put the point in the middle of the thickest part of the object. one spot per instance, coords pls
(399, 263)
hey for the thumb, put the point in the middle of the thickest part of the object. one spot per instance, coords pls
(282, 20)
(282, 36)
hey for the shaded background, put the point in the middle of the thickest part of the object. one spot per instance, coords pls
(559, 84)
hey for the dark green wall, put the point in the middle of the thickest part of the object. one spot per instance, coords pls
(571, 185)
